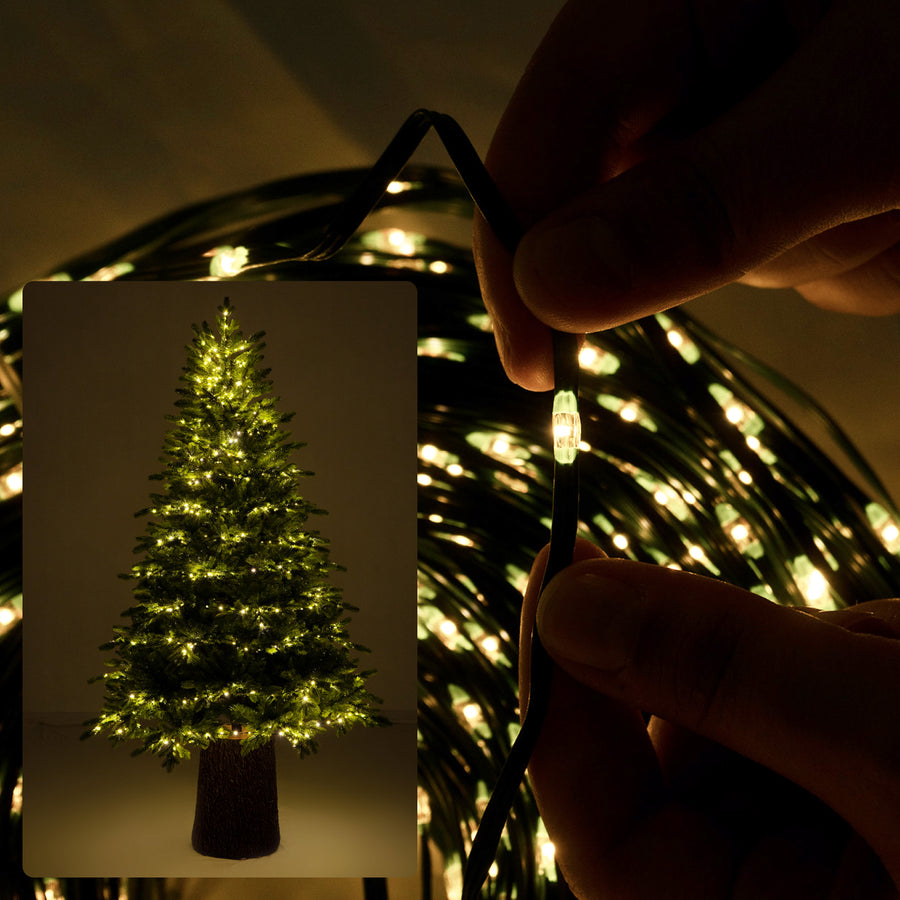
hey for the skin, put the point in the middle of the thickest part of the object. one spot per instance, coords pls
(702, 742)
(656, 151)
(762, 772)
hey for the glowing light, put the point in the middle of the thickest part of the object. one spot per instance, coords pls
(661, 497)
(429, 452)
(400, 241)
(448, 628)
(629, 412)
(397, 187)
(740, 532)
(11, 482)
(491, 644)
(439, 267)
(753, 442)
(620, 541)
(472, 713)
(745, 477)
(696, 552)
(816, 586)
(734, 413)
(890, 533)
(588, 356)
(423, 479)
(7, 616)
(566, 427)
(226, 262)
(675, 337)
(454, 469)
(7, 429)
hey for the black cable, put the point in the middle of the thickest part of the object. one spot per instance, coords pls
(564, 520)
(375, 889)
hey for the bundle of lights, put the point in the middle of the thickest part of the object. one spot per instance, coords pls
(683, 463)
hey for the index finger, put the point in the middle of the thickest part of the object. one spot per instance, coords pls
(603, 74)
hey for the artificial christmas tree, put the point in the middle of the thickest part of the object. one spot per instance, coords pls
(237, 637)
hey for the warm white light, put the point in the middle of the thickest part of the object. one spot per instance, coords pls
(429, 452)
(753, 442)
(448, 628)
(734, 414)
(500, 446)
(491, 644)
(423, 479)
(439, 267)
(227, 261)
(890, 533)
(620, 541)
(400, 241)
(6, 429)
(587, 356)
(675, 338)
(454, 469)
(745, 477)
(472, 712)
(661, 497)
(816, 586)
(629, 412)
(740, 532)
(695, 552)
(7, 616)
(11, 482)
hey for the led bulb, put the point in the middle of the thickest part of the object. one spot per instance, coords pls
(566, 427)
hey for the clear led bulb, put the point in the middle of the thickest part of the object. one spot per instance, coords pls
(566, 427)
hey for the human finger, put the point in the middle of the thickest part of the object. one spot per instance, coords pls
(596, 778)
(730, 197)
(603, 76)
(873, 288)
(790, 691)
(833, 252)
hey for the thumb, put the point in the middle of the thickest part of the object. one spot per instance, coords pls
(792, 691)
(812, 147)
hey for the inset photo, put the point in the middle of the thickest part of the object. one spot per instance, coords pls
(220, 562)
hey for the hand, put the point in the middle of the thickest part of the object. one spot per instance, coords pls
(656, 151)
(770, 765)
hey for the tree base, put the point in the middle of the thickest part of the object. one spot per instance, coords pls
(237, 802)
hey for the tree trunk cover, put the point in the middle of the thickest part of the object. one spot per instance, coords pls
(237, 802)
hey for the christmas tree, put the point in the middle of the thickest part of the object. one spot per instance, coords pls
(236, 636)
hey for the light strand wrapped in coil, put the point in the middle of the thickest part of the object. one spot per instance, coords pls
(683, 462)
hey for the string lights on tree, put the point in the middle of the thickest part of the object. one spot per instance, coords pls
(237, 636)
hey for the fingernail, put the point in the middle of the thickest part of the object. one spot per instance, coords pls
(577, 258)
(590, 619)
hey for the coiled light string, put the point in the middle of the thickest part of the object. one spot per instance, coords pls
(683, 463)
